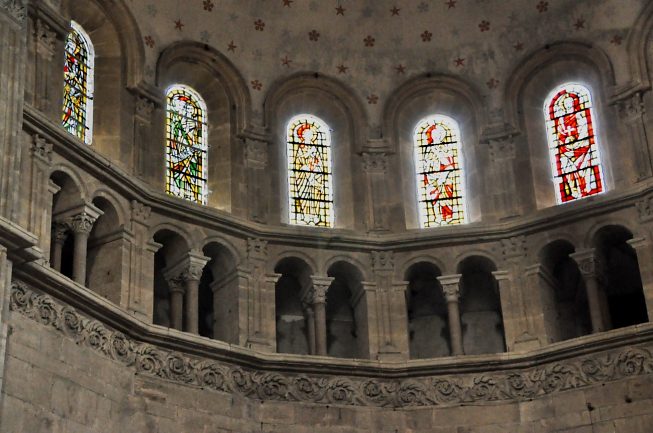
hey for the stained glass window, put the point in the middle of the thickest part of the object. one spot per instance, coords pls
(572, 143)
(186, 149)
(438, 163)
(310, 183)
(77, 115)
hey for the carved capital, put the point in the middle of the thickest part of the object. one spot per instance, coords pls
(502, 148)
(383, 260)
(589, 263)
(645, 208)
(46, 39)
(316, 294)
(257, 249)
(188, 268)
(41, 149)
(140, 212)
(514, 247)
(256, 153)
(143, 109)
(451, 287)
(60, 233)
(632, 107)
(375, 161)
(82, 223)
(15, 8)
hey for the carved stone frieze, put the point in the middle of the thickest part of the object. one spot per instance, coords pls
(438, 390)
(257, 249)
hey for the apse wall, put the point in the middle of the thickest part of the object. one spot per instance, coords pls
(127, 305)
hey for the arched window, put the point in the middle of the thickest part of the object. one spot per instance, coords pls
(78, 84)
(572, 143)
(440, 180)
(310, 183)
(186, 144)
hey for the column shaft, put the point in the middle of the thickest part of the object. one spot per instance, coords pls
(79, 258)
(455, 329)
(320, 328)
(192, 306)
(176, 309)
(310, 325)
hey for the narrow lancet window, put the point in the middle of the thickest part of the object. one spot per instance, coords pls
(186, 144)
(77, 115)
(572, 143)
(440, 180)
(310, 183)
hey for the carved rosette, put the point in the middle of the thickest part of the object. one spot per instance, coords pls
(514, 248)
(257, 249)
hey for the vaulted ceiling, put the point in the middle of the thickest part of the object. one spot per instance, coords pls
(375, 45)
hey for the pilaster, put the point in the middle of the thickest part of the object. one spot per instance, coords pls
(390, 332)
(644, 249)
(5, 289)
(260, 306)
(502, 150)
(256, 143)
(41, 193)
(632, 110)
(143, 113)
(141, 251)
(375, 165)
(12, 87)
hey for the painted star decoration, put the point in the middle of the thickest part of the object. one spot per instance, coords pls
(340, 10)
(179, 25)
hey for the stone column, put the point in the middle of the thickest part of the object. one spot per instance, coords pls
(316, 298)
(60, 235)
(12, 88)
(183, 279)
(632, 111)
(451, 288)
(644, 249)
(375, 163)
(310, 328)
(191, 277)
(590, 268)
(81, 226)
(176, 289)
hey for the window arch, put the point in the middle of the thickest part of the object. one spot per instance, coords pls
(186, 144)
(77, 116)
(310, 183)
(573, 144)
(439, 172)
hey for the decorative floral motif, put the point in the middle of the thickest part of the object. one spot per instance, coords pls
(354, 391)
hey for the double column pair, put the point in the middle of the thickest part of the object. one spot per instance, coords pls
(80, 224)
(183, 281)
(314, 301)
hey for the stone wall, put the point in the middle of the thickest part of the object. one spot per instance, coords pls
(61, 380)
